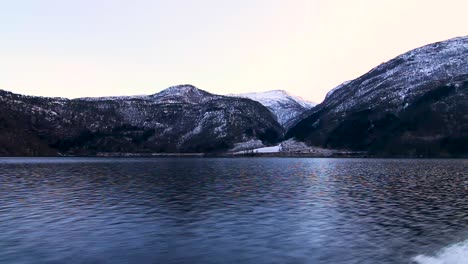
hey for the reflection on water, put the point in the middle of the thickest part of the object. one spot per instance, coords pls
(264, 210)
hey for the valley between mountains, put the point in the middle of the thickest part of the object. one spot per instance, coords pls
(414, 105)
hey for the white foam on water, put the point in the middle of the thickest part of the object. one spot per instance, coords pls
(453, 254)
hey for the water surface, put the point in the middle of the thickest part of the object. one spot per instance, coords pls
(260, 210)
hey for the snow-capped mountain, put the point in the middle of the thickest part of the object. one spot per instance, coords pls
(285, 106)
(414, 104)
(186, 93)
(179, 119)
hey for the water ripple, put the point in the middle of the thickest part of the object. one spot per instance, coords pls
(267, 210)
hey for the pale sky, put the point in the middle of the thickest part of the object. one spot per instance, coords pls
(120, 47)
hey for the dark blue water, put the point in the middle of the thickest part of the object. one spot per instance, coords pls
(261, 210)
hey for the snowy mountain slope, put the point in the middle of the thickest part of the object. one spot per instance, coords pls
(337, 88)
(414, 104)
(178, 119)
(285, 106)
(184, 93)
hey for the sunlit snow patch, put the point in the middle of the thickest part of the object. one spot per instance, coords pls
(454, 254)
(274, 149)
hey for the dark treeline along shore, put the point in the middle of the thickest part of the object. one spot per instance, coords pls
(414, 105)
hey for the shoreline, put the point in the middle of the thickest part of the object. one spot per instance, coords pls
(343, 155)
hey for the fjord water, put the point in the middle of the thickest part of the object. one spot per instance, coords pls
(259, 210)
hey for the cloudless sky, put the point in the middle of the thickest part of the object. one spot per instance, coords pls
(120, 47)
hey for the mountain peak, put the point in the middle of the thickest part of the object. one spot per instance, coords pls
(182, 89)
(277, 92)
(274, 96)
(184, 93)
(285, 106)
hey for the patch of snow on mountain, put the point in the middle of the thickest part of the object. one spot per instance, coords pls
(274, 96)
(284, 106)
(185, 93)
(113, 98)
(272, 149)
(337, 88)
(247, 145)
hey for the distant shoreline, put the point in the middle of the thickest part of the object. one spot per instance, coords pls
(231, 155)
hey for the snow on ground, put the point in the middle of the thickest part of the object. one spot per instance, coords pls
(273, 149)
(247, 145)
(291, 147)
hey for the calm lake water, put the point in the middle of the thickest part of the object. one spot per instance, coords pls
(259, 210)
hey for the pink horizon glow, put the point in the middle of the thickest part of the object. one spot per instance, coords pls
(100, 48)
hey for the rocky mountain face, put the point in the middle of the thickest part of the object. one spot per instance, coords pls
(286, 107)
(178, 119)
(413, 105)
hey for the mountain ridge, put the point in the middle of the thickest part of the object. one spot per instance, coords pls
(177, 119)
(414, 104)
(286, 107)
